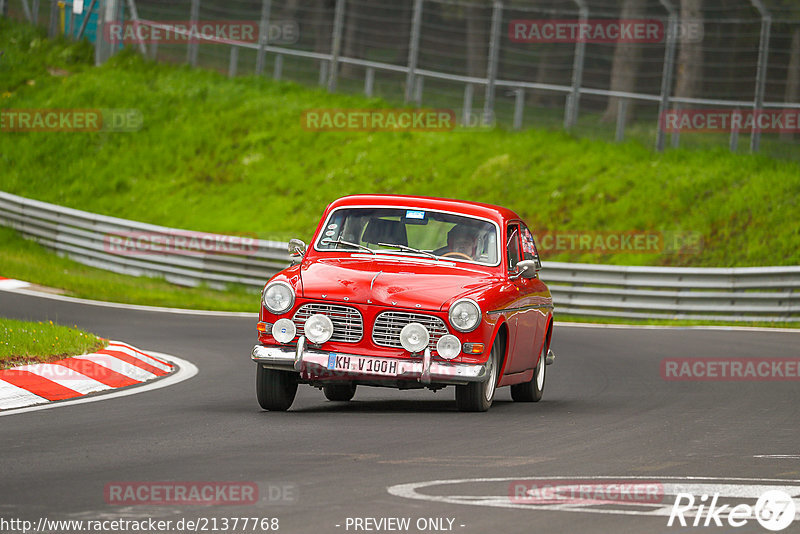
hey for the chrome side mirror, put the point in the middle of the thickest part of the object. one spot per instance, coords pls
(296, 248)
(526, 269)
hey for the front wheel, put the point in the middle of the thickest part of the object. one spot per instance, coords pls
(275, 389)
(532, 391)
(339, 392)
(477, 396)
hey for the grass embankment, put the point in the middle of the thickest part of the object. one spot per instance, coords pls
(26, 260)
(25, 342)
(224, 155)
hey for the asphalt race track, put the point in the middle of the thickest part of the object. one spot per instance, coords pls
(607, 413)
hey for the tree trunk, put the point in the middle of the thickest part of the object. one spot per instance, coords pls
(624, 68)
(793, 76)
(690, 55)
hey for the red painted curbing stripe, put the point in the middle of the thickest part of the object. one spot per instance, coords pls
(98, 372)
(38, 385)
(134, 349)
(133, 361)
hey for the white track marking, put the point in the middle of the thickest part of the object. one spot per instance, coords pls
(751, 489)
(125, 349)
(12, 396)
(186, 370)
(137, 307)
(10, 283)
(118, 366)
(64, 376)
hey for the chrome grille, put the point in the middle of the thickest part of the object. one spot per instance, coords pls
(348, 326)
(386, 331)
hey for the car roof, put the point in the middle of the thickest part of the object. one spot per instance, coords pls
(477, 209)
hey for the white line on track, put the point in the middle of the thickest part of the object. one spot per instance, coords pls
(186, 370)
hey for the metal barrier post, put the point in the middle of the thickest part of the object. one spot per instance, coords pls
(263, 35)
(519, 107)
(369, 81)
(761, 72)
(277, 70)
(3, 8)
(573, 99)
(491, 68)
(469, 91)
(666, 72)
(35, 13)
(233, 62)
(733, 144)
(336, 44)
(413, 48)
(622, 111)
(192, 47)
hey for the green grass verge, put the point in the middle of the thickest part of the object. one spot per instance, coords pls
(25, 342)
(26, 260)
(225, 155)
(231, 156)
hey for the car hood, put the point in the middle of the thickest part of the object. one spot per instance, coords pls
(402, 283)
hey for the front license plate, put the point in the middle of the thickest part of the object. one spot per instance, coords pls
(364, 364)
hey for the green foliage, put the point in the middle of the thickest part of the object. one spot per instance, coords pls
(224, 155)
(23, 342)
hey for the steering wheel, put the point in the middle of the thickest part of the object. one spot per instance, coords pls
(457, 255)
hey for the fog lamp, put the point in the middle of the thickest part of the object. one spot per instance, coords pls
(414, 337)
(283, 330)
(318, 329)
(448, 346)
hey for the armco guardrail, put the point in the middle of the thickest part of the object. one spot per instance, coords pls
(727, 294)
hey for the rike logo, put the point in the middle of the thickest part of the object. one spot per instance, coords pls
(774, 511)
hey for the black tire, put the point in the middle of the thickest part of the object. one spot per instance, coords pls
(478, 396)
(275, 389)
(339, 392)
(532, 391)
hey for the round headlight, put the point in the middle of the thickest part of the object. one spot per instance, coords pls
(283, 330)
(414, 337)
(278, 297)
(448, 346)
(318, 328)
(465, 315)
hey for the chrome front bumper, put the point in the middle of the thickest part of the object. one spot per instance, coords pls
(316, 362)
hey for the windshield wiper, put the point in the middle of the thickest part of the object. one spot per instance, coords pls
(340, 241)
(409, 249)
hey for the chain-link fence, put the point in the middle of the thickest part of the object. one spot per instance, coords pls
(667, 72)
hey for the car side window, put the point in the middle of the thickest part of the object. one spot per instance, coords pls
(512, 246)
(529, 251)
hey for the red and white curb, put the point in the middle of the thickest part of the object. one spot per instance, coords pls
(10, 283)
(116, 366)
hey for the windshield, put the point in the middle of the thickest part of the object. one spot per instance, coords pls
(411, 232)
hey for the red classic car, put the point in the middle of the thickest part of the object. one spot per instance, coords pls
(407, 292)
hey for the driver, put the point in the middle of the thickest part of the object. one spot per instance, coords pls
(461, 239)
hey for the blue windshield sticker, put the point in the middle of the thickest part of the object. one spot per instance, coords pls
(411, 214)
